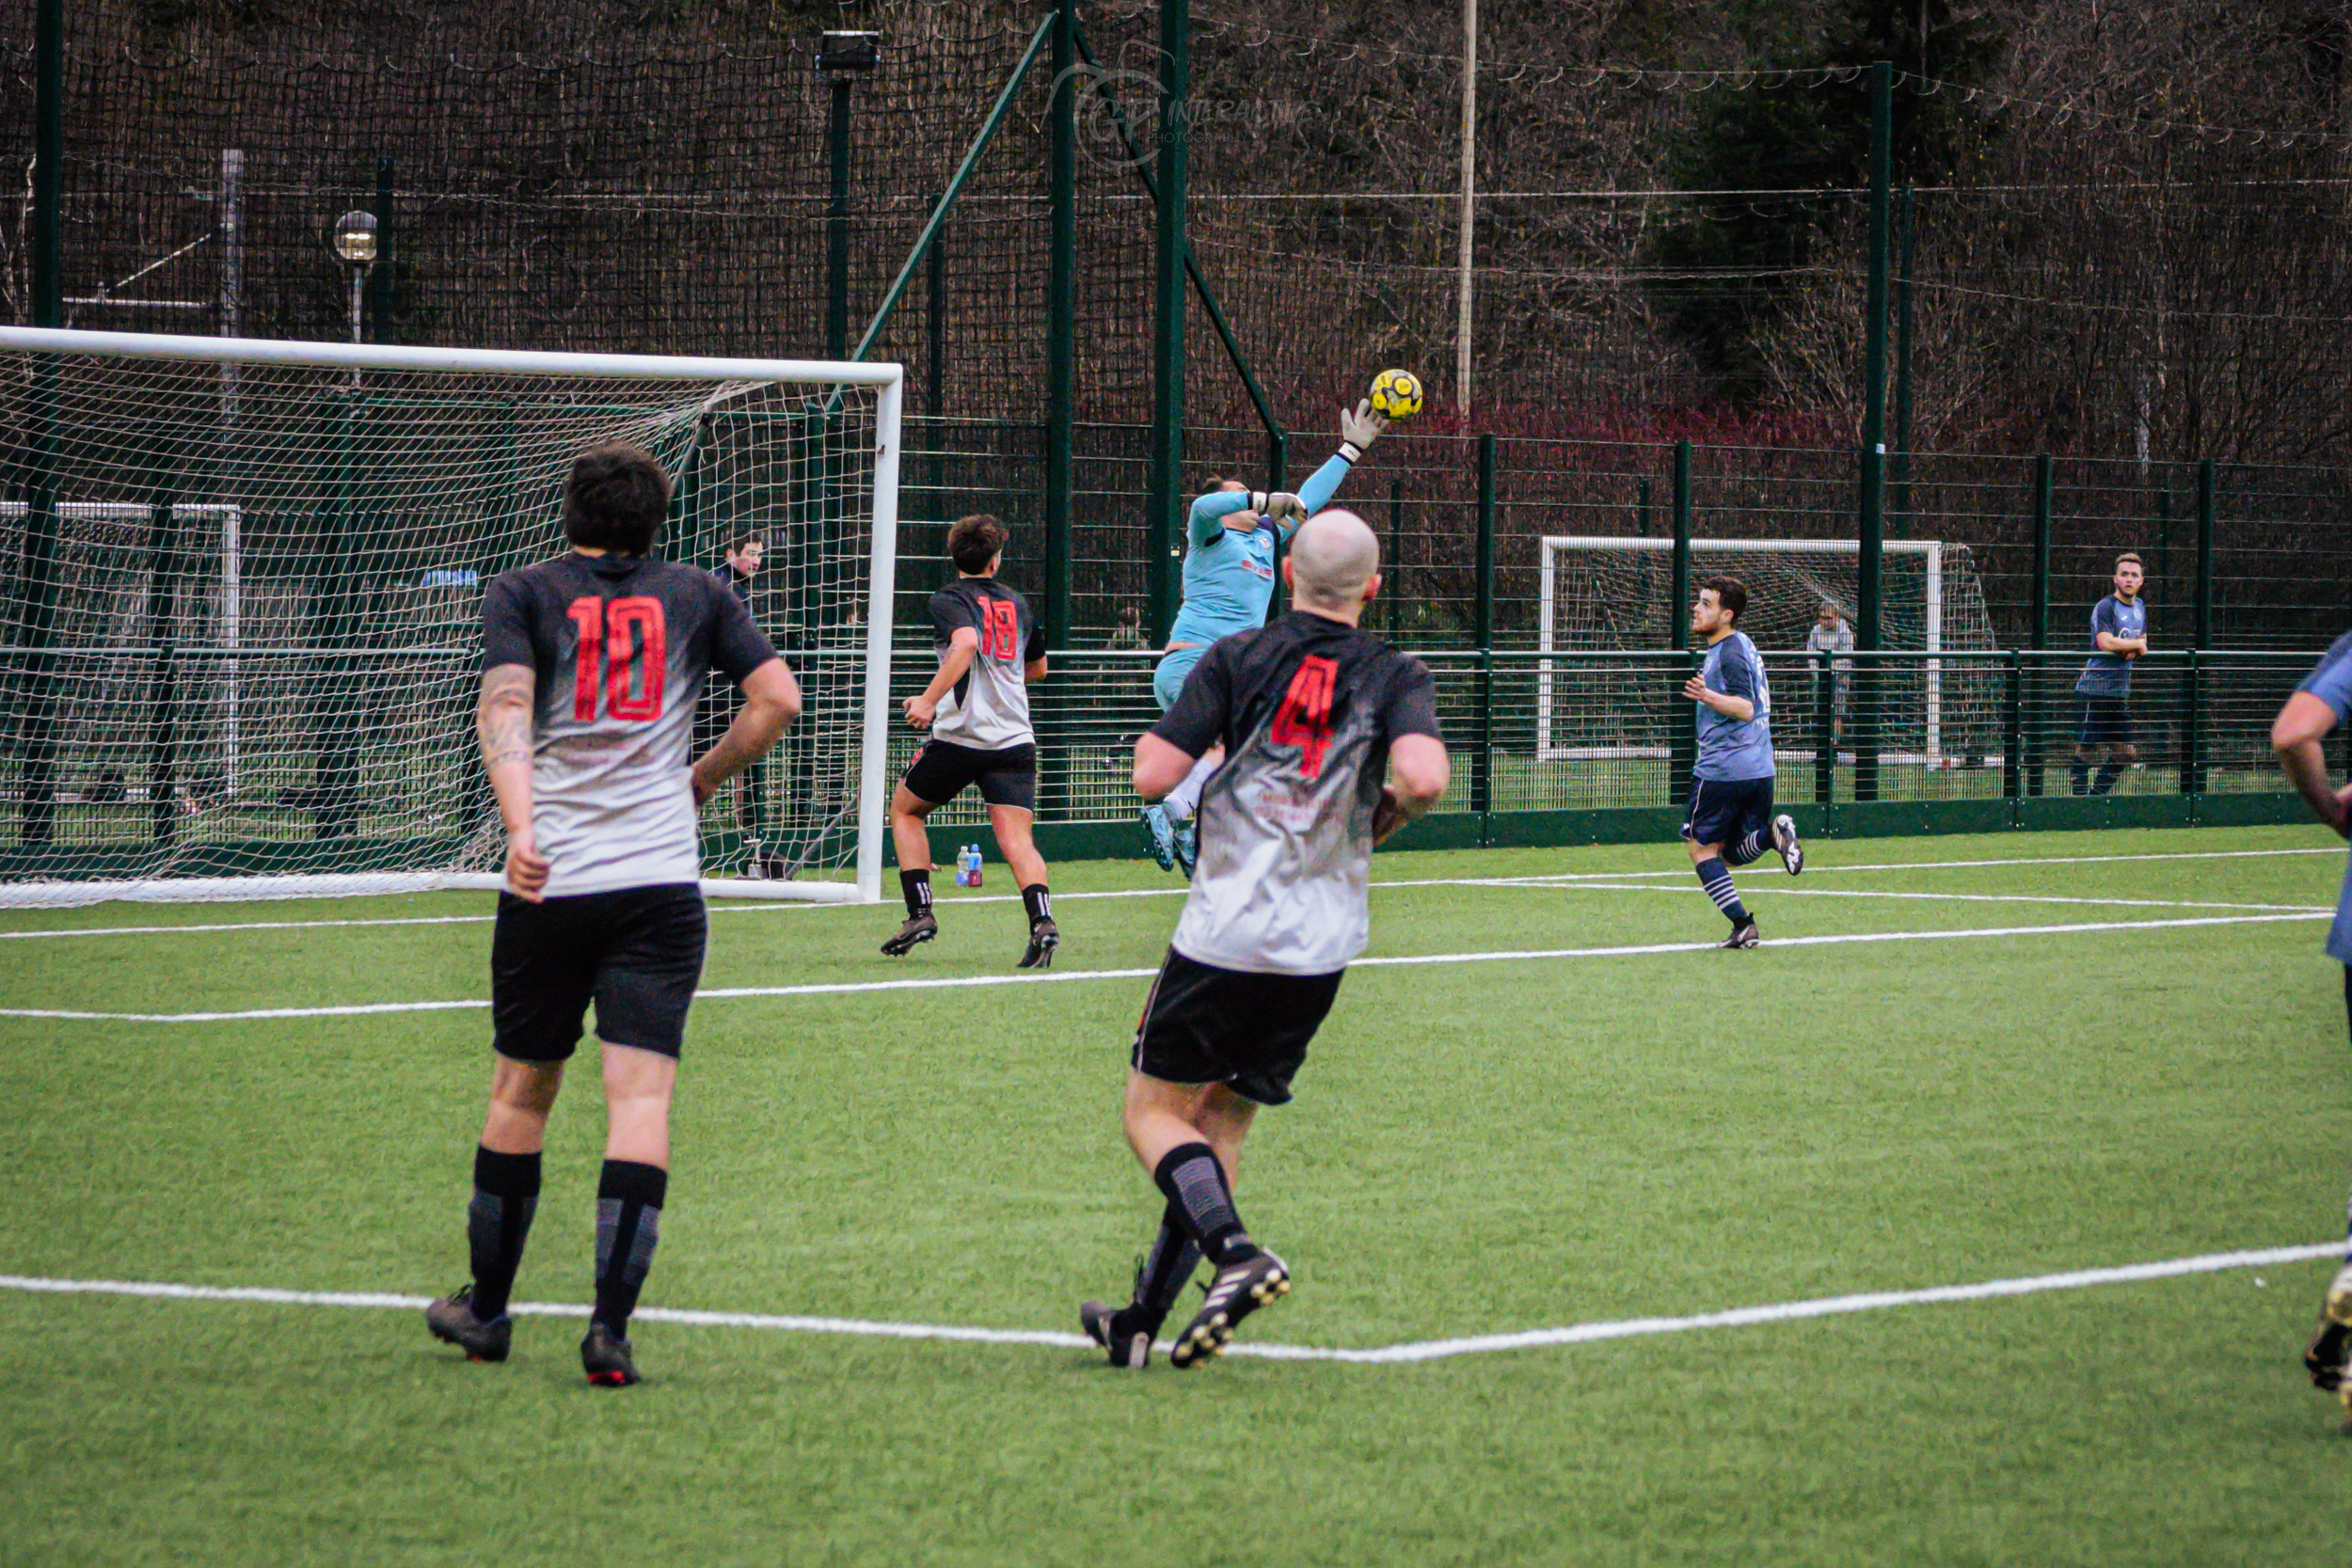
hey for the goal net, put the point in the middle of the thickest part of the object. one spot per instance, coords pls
(1608, 594)
(242, 645)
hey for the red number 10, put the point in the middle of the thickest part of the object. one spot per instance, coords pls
(613, 636)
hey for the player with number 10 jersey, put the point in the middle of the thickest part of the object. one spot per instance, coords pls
(591, 665)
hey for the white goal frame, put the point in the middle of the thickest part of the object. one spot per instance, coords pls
(873, 772)
(1557, 544)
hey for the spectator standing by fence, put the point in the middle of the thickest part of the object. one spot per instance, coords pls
(1831, 634)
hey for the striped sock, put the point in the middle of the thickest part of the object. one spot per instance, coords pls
(628, 1224)
(1194, 1182)
(498, 1222)
(1715, 877)
(1748, 849)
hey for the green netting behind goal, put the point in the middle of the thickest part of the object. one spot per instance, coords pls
(245, 639)
(1609, 594)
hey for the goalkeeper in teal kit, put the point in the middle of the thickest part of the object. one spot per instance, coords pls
(1231, 541)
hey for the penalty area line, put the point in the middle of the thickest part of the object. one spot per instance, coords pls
(1414, 1350)
(1050, 977)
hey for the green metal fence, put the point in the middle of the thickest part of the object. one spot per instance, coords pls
(1548, 747)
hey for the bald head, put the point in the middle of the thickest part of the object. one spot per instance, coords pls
(1332, 558)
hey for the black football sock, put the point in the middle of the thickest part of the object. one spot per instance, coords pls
(916, 885)
(2104, 782)
(1195, 1185)
(1169, 1268)
(1715, 877)
(505, 1195)
(1038, 902)
(628, 1222)
(1748, 849)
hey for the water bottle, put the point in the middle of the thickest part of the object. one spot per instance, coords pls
(963, 865)
(975, 865)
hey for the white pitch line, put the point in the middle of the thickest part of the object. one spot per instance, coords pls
(1536, 878)
(1814, 867)
(1421, 1350)
(1777, 889)
(1048, 977)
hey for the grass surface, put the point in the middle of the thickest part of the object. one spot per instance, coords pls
(1477, 1147)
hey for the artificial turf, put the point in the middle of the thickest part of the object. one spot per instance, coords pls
(1476, 1148)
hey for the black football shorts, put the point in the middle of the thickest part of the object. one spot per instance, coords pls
(943, 770)
(635, 951)
(1202, 1025)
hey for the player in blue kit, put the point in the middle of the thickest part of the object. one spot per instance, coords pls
(2319, 707)
(1231, 538)
(2119, 630)
(1730, 821)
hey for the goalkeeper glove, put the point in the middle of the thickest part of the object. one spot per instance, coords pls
(1278, 507)
(1359, 429)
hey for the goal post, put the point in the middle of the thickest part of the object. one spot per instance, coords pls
(1603, 592)
(239, 655)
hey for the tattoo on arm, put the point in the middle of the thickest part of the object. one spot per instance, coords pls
(502, 722)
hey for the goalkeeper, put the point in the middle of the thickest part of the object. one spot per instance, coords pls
(1231, 541)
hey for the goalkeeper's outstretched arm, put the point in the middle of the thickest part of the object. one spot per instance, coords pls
(1359, 430)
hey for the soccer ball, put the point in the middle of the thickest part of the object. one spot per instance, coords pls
(1396, 394)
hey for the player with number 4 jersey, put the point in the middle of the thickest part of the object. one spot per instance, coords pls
(1331, 743)
(592, 666)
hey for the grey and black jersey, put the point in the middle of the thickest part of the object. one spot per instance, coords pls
(619, 646)
(1306, 708)
(989, 708)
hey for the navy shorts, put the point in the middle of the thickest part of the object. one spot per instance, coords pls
(1202, 1025)
(637, 952)
(2105, 721)
(1724, 811)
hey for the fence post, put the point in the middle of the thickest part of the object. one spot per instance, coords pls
(2205, 523)
(1683, 733)
(2193, 748)
(1393, 557)
(162, 577)
(1869, 632)
(1164, 537)
(2037, 629)
(1482, 769)
(380, 275)
(37, 559)
(1824, 729)
(2192, 726)
(1278, 466)
(1061, 330)
(2013, 740)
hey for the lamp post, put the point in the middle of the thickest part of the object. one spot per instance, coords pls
(354, 245)
(843, 58)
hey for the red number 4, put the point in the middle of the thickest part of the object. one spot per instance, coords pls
(616, 635)
(1304, 719)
